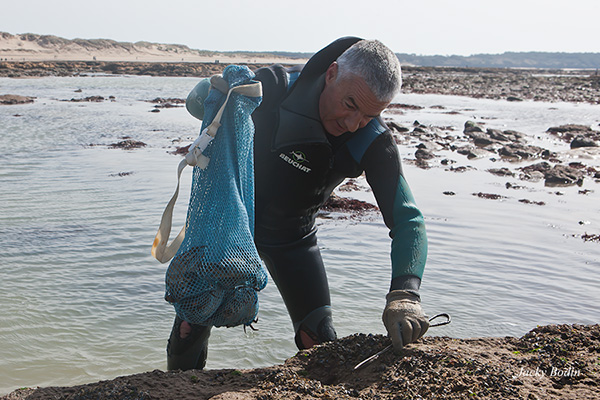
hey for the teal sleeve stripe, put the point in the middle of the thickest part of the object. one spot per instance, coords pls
(359, 144)
(409, 239)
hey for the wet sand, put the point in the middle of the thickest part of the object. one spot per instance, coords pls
(549, 362)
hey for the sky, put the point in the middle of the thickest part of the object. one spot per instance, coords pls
(423, 27)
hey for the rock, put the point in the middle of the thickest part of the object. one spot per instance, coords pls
(561, 175)
(520, 151)
(542, 167)
(424, 154)
(404, 106)
(337, 203)
(513, 98)
(583, 141)
(395, 127)
(570, 131)
(513, 136)
(569, 128)
(93, 99)
(170, 100)
(501, 171)
(480, 139)
(489, 196)
(535, 172)
(471, 126)
(127, 144)
(527, 201)
(11, 99)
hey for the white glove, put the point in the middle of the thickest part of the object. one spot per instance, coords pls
(403, 318)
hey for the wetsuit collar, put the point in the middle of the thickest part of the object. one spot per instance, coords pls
(299, 120)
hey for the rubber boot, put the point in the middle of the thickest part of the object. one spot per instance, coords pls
(188, 353)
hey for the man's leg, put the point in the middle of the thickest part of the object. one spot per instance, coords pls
(188, 346)
(298, 271)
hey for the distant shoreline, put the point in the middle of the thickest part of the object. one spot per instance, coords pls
(512, 84)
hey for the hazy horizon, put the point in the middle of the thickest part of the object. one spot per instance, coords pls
(436, 27)
(283, 50)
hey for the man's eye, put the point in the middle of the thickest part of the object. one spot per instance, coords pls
(349, 105)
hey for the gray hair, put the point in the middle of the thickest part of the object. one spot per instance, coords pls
(376, 64)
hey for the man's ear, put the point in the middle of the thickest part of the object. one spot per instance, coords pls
(331, 73)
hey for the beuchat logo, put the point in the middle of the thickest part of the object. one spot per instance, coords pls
(296, 159)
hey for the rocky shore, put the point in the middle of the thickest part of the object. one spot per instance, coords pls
(492, 83)
(552, 362)
(549, 362)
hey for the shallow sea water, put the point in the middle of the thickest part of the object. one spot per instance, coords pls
(81, 298)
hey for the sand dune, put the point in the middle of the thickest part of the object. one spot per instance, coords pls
(33, 47)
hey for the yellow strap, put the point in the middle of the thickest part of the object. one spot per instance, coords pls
(161, 250)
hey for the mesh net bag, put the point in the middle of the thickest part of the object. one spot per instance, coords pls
(216, 273)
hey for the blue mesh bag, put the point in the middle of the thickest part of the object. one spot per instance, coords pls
(216, 273)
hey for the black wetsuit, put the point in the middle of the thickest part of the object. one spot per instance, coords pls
(297, 166)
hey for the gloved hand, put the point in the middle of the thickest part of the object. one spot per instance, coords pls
(403, 318)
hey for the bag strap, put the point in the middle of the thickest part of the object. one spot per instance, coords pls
(161, 250)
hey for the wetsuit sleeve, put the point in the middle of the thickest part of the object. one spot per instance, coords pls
(381, 163)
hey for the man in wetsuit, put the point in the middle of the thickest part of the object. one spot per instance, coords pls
(315, 127)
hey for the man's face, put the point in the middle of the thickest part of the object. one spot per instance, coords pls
(347, 104)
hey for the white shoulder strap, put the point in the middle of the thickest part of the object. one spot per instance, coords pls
(162, 251)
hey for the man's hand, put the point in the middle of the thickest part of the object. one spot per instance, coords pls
(403, 318)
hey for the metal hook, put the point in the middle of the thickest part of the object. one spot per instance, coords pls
(446, 322)
(389, 347)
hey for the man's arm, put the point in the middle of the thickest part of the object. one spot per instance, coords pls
(383, 169)
(403, 317)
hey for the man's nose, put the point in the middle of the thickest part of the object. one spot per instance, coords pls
(354, 121)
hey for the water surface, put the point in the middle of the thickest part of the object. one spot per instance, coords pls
(82, 298)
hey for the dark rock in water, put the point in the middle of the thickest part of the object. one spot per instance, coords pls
(395, 127)
(404, 106)
(561, 175)
(509, 185)
(513, 98)
(480, 139)
(511, 136)
(127, 144)
(535, 172)
(568, 132)
(590, 237)
(11, 99)
(542, 167)
(520, 151)
(583, 141)
(537, 203)
(343, 204)
(489, 196)
(91, 99)
(501, 171)
(471, 152)
(424, 154)
(162, 100)
(569, 128)
(471, 126)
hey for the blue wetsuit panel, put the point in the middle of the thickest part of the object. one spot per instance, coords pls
(359, 144)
